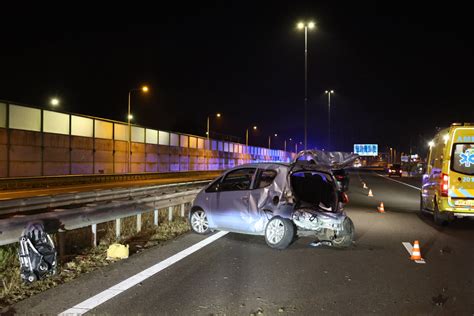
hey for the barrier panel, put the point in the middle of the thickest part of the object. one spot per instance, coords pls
(38, 142)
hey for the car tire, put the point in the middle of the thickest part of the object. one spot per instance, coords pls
(422, 205)
(279, 232)
(348, 237)
(198, 221)
(437, 217)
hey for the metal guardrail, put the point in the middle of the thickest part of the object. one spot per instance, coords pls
(55, 181)
(92, 208)
(52, 201)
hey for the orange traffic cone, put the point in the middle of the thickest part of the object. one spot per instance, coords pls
(370, 193)
(380, 208)
(416, 254)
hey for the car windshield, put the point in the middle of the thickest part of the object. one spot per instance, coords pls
(396, 166)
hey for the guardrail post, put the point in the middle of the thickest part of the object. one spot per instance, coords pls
(62, 244)
(94, 235)
(155, 217)
(183, 206)
(117, 228)
(139, 223)
(170, 214)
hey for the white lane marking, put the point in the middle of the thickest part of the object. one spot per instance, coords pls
(409, 185)
(409, 248)
(106, 295)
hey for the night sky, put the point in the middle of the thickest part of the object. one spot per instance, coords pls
(399, 71)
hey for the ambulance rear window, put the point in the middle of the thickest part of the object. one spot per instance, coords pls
(462, 158)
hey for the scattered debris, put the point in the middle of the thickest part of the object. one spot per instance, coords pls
(281, 310)
(12, 290)
(320, 243)
(117, 251)
(446, 250)
(439, 300)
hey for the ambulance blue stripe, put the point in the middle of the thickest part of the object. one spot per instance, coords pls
(452, 194)
(466, 193)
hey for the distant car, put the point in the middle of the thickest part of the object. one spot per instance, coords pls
(342, 177)
(275, 200)
(395, 170)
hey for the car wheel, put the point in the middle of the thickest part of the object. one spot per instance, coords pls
(422, 205)
(437, 217)
(279, 232)
(199, 222)
(346, 239)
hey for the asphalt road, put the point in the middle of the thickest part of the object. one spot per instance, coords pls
(240, 275)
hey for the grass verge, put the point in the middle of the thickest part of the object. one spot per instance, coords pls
(14, 290)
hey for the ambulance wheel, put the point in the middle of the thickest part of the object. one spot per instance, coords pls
(439, 219)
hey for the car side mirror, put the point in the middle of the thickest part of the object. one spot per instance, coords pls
(343, 197)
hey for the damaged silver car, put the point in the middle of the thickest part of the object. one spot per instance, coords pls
(276, 200)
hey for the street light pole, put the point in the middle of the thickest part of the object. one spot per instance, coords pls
(247, 135)
(129, 143)
(305, 87)
(329, 92)
(208, 131)
(129, 117)
(270, 140)
(305, 26)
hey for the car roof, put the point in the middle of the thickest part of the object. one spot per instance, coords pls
(261, 165)
(295, 166)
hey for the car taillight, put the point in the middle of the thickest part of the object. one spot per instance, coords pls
(444, 184)
(339, 177)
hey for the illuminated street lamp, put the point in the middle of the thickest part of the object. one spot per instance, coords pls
(129, 118)
(306, 26)
(54, 101)
(329, 92)
(247, 134)
(270, 140)
(218, 115)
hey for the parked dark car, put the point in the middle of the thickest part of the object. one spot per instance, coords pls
(275, 200)
(342, 177)
(395, 170)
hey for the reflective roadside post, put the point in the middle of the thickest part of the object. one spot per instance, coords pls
(129, 118)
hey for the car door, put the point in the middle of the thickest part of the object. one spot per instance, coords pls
(232, 199)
